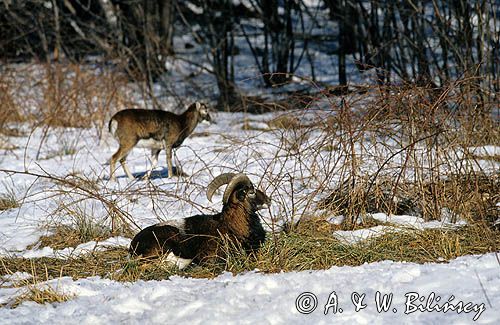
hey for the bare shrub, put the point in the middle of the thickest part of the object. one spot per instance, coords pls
(61, 95)
(418, 140)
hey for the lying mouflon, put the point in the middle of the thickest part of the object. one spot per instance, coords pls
(197, 238)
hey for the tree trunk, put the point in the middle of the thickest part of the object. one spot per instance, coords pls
(167, 20)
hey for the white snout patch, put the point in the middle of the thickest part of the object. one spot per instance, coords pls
(264, 206)
(178, 261)
(150, 143)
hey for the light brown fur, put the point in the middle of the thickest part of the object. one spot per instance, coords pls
(163, 130)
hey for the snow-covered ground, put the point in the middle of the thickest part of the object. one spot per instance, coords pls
(38, 170)
(461, 292)
(283, 163)
(246, 298)
(61, 177)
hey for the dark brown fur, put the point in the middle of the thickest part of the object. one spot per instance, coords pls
(200, 238)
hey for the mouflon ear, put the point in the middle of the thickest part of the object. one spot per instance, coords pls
(198, 106)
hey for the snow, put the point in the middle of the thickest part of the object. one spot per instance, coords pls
(417, 222)
(11, 279)
(252, 297)
(487, 150)
(68, 252)
(397, 223)
(255, 298)
(237, 142)
(351, 237)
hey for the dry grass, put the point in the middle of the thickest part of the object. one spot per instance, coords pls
(75, 97)
(98, 263)
(299, 251)
(34, 288)
(40, 294)
(8, 200)
(472, 197)
(63, 236)
(418, 140)
(293, 251)
(285, 122)
(422, 166)
(60, 95)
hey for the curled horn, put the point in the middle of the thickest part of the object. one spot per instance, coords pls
(227, 178)
(235, 181)
(217, 182)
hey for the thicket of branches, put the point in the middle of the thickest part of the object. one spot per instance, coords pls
(426, 42)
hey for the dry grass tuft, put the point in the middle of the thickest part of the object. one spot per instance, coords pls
(472, 197)
(95, 263)
(299, 251)
(41, 295)
(285, 121)
(304, 249)
(61, 95)
(8, 201)
(405, 150)
(75, 97)
(64, 236)
(33, 289)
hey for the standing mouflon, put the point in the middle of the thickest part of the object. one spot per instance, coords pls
(155, 129)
